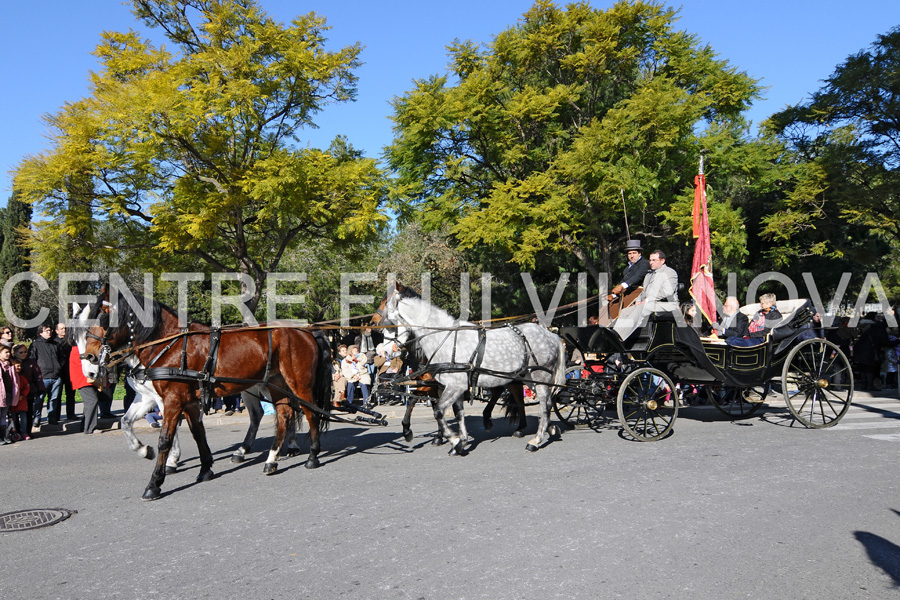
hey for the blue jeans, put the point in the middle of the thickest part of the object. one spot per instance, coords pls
(351, 391)
(54, 388)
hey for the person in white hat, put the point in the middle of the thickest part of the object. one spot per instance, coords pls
(634, 272)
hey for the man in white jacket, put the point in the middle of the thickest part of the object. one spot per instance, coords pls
(659, 295)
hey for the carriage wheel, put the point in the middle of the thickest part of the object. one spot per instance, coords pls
(738, 402)
(647, 404)
(818, 383)
(578, 403)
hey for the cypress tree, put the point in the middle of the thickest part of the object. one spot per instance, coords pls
(14, 255)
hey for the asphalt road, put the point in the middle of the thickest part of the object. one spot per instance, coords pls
(751, 509)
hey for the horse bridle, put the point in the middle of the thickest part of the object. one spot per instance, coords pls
(106, 350)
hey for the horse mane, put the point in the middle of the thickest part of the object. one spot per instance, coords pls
(143, 332)
(438, 317)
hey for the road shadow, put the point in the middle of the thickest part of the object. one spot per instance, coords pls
(883, 553)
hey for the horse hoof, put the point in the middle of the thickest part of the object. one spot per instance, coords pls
(171, 469)
(291, 453)
(488, 424)
(312, 462)
(531, 448)
(237, 458)
(270, 468)
(408, 435)
(518, 433)
(205, 475)
(554, 430)
(457, 450)
(438, 441)
(151, 493)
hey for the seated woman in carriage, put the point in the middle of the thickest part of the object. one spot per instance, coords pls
(766, 318)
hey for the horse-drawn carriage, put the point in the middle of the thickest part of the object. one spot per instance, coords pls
(643, 377)
(292, 367)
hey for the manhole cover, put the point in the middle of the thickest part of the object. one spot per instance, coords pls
(22, 520)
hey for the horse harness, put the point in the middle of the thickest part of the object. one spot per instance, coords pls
(205, 377)
(473, 367)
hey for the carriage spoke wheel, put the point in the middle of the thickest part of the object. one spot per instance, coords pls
(647, 404)
(738, 402)
(578, 404)
(818, 383)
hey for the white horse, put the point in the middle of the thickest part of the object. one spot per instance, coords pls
(459, 356)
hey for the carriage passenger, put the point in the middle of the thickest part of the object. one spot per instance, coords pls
(689, 312)
(766, 318)
(734, 323)
(658, 296)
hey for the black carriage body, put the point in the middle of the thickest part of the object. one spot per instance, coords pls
(646, 374)
(678, 350)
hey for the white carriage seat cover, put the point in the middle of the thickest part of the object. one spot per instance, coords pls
(787, 308)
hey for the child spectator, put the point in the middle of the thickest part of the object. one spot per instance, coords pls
(20, 408)
(9, 388)
(32, 373)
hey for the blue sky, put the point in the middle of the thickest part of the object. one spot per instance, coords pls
(791, 45)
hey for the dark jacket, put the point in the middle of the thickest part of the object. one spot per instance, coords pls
(740, 327)
(32, 373)
(46, 354)
(867, 349)
(63, 352)
(633, 275)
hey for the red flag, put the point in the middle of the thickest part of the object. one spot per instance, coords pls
(702, 289)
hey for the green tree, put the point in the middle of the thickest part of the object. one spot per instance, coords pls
(847, 140)
(190, 152)
(14, 255)
(536, 142)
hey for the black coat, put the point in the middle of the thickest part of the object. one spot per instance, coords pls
(633, 275)
(867, 349)
(740, 327)
(46, 353)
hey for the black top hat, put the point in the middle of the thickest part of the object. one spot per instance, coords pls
(633, 245)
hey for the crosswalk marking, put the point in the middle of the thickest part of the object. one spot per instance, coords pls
(884, 424)
(885, 437)
(867, 413)
(857, 413)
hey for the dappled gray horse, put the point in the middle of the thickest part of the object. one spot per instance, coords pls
(460, 354)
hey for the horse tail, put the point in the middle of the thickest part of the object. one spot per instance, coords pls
(322, 387)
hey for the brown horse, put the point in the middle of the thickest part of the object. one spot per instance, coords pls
(184, 364)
